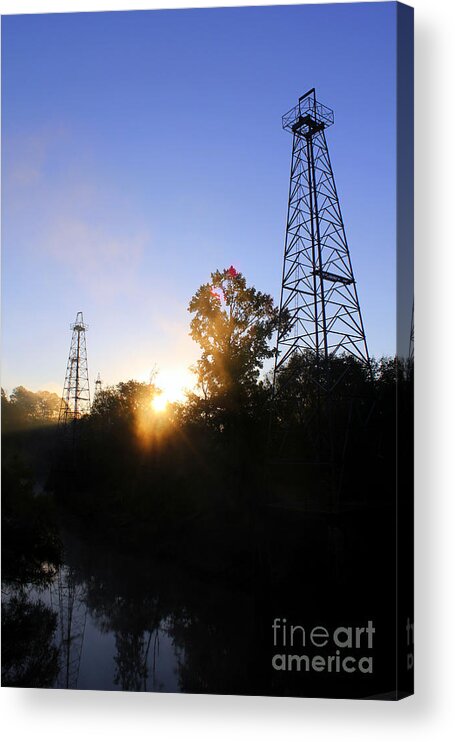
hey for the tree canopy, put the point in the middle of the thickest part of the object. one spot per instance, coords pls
(233, 324)
(123, 400)
(26, 409)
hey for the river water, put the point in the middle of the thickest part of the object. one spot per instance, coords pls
(108, 621)
(102, 651)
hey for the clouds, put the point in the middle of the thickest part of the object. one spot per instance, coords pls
(91, 254)
(25, 155)
(75, 238)
(26, 170)
(67, 218)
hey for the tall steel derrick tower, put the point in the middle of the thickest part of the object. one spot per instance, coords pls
(320, 315)
(318, 287)
(76, 391)
(98, 386)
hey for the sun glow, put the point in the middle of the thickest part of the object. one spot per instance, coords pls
(159, 402)
(172, 385)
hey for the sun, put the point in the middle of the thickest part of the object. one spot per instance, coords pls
(171, 385)
(159, 402)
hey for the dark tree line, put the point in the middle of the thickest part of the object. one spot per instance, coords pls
(25, 409)
(196, 477)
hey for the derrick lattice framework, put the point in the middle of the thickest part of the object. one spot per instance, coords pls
(98, 387)
(318, 295)
(76, 391)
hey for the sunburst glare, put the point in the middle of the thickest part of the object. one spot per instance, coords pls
(159, 402)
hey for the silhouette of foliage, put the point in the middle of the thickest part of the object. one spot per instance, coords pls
(31, 547)
(29, 657)
(25, 409)
(233, 324)
(123, 401)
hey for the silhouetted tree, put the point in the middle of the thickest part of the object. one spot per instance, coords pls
(233, 324)
(25, 409)
(123, 401)
(31, 547)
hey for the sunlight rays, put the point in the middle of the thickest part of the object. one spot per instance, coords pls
(159, 402)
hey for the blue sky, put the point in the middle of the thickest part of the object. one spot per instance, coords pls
(143, 150)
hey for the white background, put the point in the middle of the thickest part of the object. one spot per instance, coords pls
(73, 715)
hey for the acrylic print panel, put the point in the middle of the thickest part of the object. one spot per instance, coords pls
(208, 351)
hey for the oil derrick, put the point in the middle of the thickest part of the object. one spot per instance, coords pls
(67, 597)
(321, 343)
(98, 387)
(75, 400)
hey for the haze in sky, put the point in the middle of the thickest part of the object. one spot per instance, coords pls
(144, 150)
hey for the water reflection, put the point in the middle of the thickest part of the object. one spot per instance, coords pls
(109, 626)
(110, 621)
(128, 623)
(116, 622)
(67, 598)
(30, 657)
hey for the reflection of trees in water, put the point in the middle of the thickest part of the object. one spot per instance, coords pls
(214, 638)
(133, 657)
(142, 602)
(123, 600)
(29, 655)
(135, 619)
(43, 632)
(68, 598)
(31, 555)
